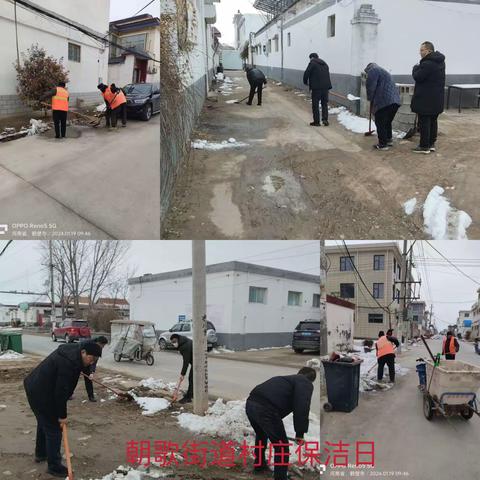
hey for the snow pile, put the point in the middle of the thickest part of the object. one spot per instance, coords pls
(441, 220)
(206, 145)
(157, 384)
(278, 83)
(232, 101)
(11, 355)
(368, 372)
(335, 110)
(101, 108)
(129, 473)
(151, 405)
(229, 420)
(228, 80)
(222, 350)
(220, 76)
(352, 98)
(267, 348)
(409, 206)
(37, 126)
(313, 363)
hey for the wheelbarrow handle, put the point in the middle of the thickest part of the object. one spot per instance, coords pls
(428, 348)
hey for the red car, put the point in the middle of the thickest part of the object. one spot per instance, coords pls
(71, 330)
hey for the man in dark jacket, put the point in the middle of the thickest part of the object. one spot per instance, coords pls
(384, 99)
(317, 77)
(185, 347)
(429, 96)
(101, 341)
(256, 78)
(48, 387)
(268, 404)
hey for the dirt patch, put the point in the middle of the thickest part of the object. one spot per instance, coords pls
(98, 435)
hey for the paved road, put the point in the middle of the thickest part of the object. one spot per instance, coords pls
(227, 379)
(106, 184)
(405, 441)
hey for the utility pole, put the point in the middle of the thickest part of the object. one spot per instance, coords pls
(199, 317)
(403, 289)
(323, 301)
(408, 293)
(52, 289)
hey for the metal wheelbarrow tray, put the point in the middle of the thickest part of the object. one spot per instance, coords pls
(451, 389)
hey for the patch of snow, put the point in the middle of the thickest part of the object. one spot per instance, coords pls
(11, 355)
(151, 405)
(313, 363)
(268, 185)
(335, 110)
(352, 122)
(222, 350)
(228, 80)
(232, 101)
(267, 348)
(129, 473)
(101, 108)
(441, 220)
(220, 76)
(155, 384)
(409, 206)
(352, 98)
(206, 145)
(36, 127)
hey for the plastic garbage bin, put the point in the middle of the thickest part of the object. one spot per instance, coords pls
(4, 340)
(15, 342)
(343, 382)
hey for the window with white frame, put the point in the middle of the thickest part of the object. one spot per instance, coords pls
(74, 52)
(257, 295)
(294, 298)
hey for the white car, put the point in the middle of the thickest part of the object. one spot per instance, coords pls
(185, 329)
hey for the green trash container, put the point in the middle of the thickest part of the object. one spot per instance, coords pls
(15, 342)
(4, 340)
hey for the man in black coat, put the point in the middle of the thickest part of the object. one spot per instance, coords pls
(429, 95)
(317, 77)
(268, 404)
(101, 341)
(185, 347)
(256, 78)
(48, 388)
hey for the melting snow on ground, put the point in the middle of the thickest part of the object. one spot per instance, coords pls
(222, 350)
(267, 348)
(231, 101)
(229, 420)
(206, 145)
(156, 383)
(37, 126)
(151, 405)
(441, 220)
(11, 355)
(220, 76)
(129, 473)
(101, 108)
(352, 98)
(409, 206)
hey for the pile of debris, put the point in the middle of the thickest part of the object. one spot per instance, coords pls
(36, 127)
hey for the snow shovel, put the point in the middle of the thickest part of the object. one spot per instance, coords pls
(175, 393)
(67, 451)
(124, 395)
(370, 131)
(93, 122)
(413, 130)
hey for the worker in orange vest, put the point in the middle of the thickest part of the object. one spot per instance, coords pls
(118, 106)
(59, 98)
(385, 346)
(450, 346)
(108, 97)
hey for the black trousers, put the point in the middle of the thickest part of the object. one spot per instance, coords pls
(317, 97)
(428, 126)
(88, 387)
(108, 117)
(390, 361)
(119, 112)
(189, 393)
(49, 439)
(60, 122)
(450, 356)
(258, 87)
(383, 120)
(268, 426)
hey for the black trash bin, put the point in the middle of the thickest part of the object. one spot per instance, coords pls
(343, 382)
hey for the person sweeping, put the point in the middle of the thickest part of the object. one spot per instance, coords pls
(450, 346)
(48, 388)
(385, 347)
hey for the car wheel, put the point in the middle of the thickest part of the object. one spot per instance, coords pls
(67, 338)
(328, 407)
(54, 338)
(149, 359)
(147, 113)
(209, 349)
(162, 344)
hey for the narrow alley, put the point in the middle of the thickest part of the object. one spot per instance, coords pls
(277, 177)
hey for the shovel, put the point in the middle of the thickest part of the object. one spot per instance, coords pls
(412, 131)
(243, 99)
(93, 122)
(370, 131)
(124, 395)
(175, 394)
(67, 451)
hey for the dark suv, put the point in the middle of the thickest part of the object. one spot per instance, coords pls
(306, 336)
(143, 99)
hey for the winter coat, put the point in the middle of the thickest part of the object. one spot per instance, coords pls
(381, 89)
(51, 383)
(287, 394)
(317, 75)
(256, 77)
(185, 347)
(429, 75)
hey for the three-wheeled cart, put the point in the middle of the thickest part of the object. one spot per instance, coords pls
(451, 389)
(133, 340)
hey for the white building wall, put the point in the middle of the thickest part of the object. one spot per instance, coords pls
(121, 74)
(231, 60)
(340, 327)
(54, 37)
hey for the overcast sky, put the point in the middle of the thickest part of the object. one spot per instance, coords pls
(226, 9)
(20, 267)
(128, 8)
(445, 287)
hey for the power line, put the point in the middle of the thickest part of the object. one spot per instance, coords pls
(141, 10)
(6, 246)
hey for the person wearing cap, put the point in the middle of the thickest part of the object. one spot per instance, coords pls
(59, 97)
(101, 341)
(266, 406)
(48, 387)
(385, 348)
(185, 346)
(118, 104)
(108, 97)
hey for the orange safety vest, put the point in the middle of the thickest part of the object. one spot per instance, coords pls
(451, 347)
(108, 95)
(60, 100)
(384, 346)
(118, 99)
